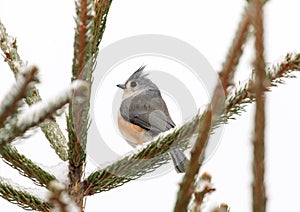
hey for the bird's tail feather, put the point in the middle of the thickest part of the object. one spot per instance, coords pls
(179, 160)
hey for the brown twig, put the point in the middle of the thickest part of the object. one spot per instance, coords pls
(186, 186)
(203, 188)
(235, 51)
(221, 208)
(258, 186)
(82, 34)
(215, 110)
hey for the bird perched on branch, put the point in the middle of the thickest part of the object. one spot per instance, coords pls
(144, 114)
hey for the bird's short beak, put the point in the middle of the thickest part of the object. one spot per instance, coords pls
(122, 86)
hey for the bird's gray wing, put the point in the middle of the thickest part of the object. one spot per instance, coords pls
(147, 110)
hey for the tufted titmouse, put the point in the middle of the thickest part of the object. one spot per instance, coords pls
(143, 114)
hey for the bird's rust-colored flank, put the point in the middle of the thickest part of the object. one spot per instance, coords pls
(131, 132)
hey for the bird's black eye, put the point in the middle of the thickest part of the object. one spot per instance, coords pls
(133, 84)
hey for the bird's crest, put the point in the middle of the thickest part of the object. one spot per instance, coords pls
(138, 74)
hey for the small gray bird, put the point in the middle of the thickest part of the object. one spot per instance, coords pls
(143, 114)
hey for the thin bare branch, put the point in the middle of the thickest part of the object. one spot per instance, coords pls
(203, 187)
(258, 186)
(186, 186)
(211, 117)
(235, 51)
(215, 111)
(221, 208)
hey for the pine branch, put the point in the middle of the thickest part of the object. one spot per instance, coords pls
(78, 119)
(244, 95)
(78, 113)
(56, 138)
(258, 185)
(50, 128)
(35, 115)
(91, 22)
(8, 44)
(133, 166)
(10, 101)
(21, 198)
(82, 40)
(90, 26)
(101, 11)
(25, 166)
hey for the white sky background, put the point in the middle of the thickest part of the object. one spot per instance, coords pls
(44, 31)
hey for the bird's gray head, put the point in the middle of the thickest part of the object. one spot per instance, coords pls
(137, 82)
